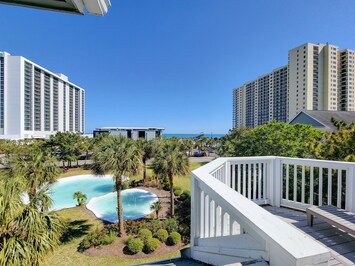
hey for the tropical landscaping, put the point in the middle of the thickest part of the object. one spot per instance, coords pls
(29, 230)
(32, 234)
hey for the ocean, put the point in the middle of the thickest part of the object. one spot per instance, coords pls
(183, 136)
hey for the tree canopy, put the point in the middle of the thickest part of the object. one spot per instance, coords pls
(273, 138)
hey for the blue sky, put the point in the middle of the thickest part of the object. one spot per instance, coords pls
(172, 63)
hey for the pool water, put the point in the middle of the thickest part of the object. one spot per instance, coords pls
(136, 204)
(101, 198)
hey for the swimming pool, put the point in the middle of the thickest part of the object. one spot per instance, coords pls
(101, 197)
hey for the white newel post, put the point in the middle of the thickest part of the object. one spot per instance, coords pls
(269, 181)
(350, 189)
(277, 180)
(274, 181)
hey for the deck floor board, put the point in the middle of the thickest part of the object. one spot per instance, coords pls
(340, 243)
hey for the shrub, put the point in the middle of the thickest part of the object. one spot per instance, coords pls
(185, 195)
(154, 225)
(184, 229)
(145, 235)
(151, 245)
(135, 245)
(177, 191)
(171, 225)
(174, 238)
(97, 239)
(125, 185)
(162, 235)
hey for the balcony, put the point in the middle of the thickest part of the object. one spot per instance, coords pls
(229, 224)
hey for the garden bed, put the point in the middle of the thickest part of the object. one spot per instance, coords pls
(117, 249)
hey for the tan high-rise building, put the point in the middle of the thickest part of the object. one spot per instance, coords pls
(317, 77)
(313, 82)
(346, 81)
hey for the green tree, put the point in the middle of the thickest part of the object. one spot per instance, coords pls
(273, 138)
(86, 145)
(65, 146)
(121, 157)
(80, 197)
(147, 150)
(27, 231)
(171, 161)
(37, 168)
(338, 146)
(189, 145)
(157, 207)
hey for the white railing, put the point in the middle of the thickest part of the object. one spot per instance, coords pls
(227, 225)
(290, 182)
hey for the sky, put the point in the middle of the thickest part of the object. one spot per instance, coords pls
(172, 63)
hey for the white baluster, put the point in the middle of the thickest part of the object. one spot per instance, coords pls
(311, 186)
(330, 186)
(303, 184)
(287, 180)
(320, 192)
(339, 188)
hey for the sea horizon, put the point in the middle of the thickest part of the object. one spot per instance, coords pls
(191, 135)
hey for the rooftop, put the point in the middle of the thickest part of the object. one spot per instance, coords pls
(95, 7)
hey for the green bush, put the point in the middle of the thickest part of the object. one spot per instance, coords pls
(177, 191)
(135, 245)
(97, 239)
(171, 225)
(184, 229)
(151, 245)
(145, 235)
(125, 185)
(174, 238)
(162, 235)
(185, 195)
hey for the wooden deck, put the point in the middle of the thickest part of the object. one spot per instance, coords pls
(340, 243)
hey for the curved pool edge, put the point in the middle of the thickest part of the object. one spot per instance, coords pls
(83, 176)
(98, 216)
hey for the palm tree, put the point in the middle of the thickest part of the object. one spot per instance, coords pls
(189, 145)
(27, 231)
(121, 157)
(157, 207)
(80, 197)
(37, 168)
(171, 161)
(86, 145)
(147, 150)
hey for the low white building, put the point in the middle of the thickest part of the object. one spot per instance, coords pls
(135, 133)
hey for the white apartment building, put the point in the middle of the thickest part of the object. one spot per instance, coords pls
(317, 77)
(35, 102)
(261, 100)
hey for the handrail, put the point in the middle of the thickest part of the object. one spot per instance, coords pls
(225, 197)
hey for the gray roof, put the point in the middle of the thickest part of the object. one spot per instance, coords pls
(96, 7)
(324, 118)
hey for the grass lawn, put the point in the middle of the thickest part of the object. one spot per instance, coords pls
(75, 171)
(81, 222)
